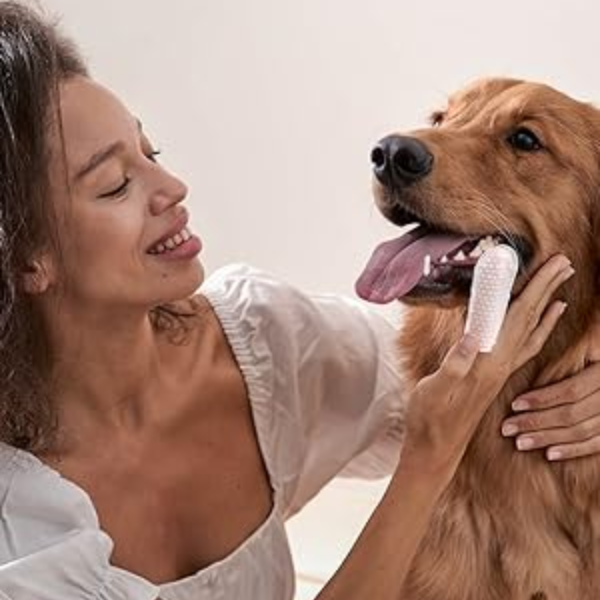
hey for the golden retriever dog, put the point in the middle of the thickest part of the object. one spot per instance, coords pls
(519, 163)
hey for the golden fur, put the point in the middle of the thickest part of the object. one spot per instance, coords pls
(513, 526)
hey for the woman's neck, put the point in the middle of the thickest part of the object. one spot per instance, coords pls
(105, 370)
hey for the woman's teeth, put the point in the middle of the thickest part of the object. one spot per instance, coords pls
(171, 243)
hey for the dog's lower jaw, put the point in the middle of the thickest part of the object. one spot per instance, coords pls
(494, 536)
(454, 299)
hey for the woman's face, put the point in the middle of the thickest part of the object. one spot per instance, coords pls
(121, 223)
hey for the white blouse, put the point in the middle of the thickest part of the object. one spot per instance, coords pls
(325, 398)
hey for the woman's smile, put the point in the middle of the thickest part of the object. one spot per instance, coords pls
(182, 245)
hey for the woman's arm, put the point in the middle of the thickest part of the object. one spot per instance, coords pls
(443, 412)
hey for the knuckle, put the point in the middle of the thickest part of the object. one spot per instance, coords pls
(567, 415)
(572, 392)
(585, 428)
(535, 403)
(577, 450)
(530, 423)
(532, 315)
(453, 370)
(531, 344)
(534, 346)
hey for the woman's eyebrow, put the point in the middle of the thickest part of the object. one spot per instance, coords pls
(103, 155)
(97, 159)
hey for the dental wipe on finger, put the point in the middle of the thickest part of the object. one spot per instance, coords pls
(493, 279)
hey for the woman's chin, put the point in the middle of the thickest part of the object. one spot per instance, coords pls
(183, 285)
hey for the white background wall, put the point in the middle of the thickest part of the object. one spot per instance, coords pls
(269, 108)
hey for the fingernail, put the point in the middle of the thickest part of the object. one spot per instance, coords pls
(520, 405)
(568, 272)
(563, 307)
(509, 429)
(524, 443)
(554, 454)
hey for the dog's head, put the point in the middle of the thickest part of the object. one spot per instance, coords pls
(507, 161)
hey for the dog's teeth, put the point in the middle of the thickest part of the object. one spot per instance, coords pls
(427, 265)
(444, 259)
(476, 252)
(460, 256)
(490, 242)
(486, 244)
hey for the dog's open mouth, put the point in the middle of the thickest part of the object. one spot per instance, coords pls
(428, 262)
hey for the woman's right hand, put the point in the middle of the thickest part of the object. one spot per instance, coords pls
(442, 414)
(445, 407)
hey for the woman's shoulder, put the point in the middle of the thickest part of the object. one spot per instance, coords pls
(51, 543)
(228, 293)
(39, 504)
(243, 294)
(27, 483)
(242, 282)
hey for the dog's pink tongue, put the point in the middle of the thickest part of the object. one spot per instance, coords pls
(396, 266)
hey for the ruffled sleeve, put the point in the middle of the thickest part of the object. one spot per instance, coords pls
(322, 377)
(51, 546)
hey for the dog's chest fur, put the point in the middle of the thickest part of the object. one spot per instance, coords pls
(511, 526)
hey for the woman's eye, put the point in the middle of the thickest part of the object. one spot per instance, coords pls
(525, 140)
(117, 191)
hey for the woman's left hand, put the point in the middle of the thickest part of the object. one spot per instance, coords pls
(563, 418)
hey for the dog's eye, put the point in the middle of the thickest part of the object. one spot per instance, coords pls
(525, 140)
(437, 118)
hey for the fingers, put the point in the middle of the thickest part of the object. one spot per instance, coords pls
(435, 394)
(539, 336)
(575, 450)
(566, 415)
(530, 320)
(571, 430)
(535, 439)
(455, 367)
(568, 391)
(439, 421)
(534, 298)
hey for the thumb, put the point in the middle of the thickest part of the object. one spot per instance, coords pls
(457, 363)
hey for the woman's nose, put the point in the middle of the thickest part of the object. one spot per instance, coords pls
(170, 190)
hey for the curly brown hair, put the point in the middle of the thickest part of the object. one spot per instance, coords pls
(34, 59)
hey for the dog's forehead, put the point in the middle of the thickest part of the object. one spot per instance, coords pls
(511, 98)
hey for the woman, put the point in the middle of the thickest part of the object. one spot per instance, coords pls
(153, 444)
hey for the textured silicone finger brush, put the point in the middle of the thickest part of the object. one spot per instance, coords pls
(493, 279)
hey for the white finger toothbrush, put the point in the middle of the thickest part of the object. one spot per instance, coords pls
(493, 279)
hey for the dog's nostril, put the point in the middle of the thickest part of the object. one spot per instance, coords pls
(407, 161)
(378, 157)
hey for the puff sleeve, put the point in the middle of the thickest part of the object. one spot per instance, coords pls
(322, 376)
(51, 546)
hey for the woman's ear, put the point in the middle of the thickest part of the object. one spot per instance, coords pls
(38, 276)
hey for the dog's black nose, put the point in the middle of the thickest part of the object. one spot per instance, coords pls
(400, 160)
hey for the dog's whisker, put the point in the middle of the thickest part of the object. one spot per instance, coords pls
(480, 203)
